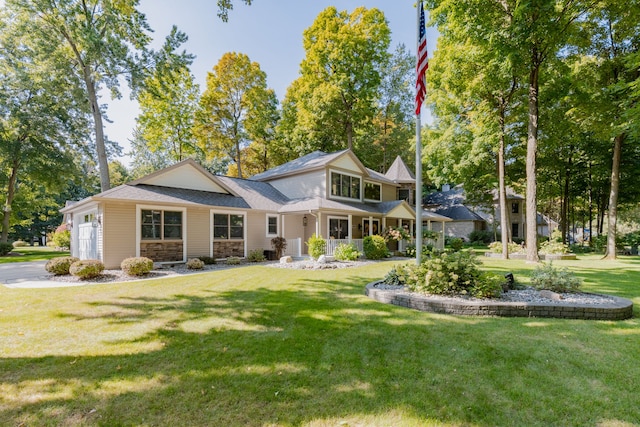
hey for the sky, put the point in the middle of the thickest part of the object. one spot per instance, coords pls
(269, 32)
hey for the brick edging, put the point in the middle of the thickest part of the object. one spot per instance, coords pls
(620, 309)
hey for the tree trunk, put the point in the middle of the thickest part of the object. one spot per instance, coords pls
(532, 147)
(238, 158)
(613, 199)
(103, 164)
(11, 191)
(502, 189)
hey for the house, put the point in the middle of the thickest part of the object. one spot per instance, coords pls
(184, 211)
(466, 217)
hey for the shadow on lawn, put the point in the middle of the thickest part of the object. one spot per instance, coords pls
(326, 352)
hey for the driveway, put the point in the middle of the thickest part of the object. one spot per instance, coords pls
(27, 275)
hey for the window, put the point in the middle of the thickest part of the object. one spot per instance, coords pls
(345, 186)
(372, 191)
(404, 194)
(161, 225)
(228, 226)
(515, 207)
(272, 225)
(374, 229)
(338, 228)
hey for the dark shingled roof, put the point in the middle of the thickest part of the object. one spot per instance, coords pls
(259, 195)
(311, 161)
(455, 196)
(459, 213)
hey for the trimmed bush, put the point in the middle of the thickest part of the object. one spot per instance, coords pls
(346, 252)
(483, 237)
(87, 269)
(207, 260)
(60, 265)
(426, 250)
(317, 246)
(456, 243)
(62, 239)
(5, 248)
(137, 266)
(233, 260)
(256, 256)
(513, 247)
(20, 244)
(553, 279)
(195, 264)
(375, 247)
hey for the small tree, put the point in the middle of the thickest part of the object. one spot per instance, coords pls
(279, 244)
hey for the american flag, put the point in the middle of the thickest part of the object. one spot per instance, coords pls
(422, 63)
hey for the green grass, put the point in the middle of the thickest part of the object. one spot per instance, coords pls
(31, 253)
(259, 346)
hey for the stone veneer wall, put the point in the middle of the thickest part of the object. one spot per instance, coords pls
(162, 251)
(228, 248)
(620, 309)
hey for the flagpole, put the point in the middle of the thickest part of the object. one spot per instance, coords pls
(418, 149)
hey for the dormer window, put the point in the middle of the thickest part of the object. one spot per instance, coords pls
(372, 191)
(343, 185)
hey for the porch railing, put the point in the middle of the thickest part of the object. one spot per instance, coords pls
(294, 247)
(332, 244)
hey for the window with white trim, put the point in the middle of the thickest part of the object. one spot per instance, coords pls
(228, 226)
(372, 191)
(338, 228)
(343, 185)
(159, 224)
(272, 225)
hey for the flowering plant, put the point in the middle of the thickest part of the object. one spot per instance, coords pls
(399, 233)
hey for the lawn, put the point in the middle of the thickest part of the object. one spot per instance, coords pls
(259, 346)
(31, 253)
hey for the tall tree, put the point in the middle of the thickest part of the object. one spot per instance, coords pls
(236, 97)
(102, 39)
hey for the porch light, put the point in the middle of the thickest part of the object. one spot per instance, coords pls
(304, 221)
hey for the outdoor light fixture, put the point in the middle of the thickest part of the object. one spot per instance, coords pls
(304, 221)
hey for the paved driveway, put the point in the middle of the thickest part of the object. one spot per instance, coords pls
(26, 275)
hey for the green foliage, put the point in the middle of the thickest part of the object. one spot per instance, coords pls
(396, 233)
(426, 250)
(195, 264)
(137, 266)
(5, 248)
(256, 255)
(346, 252)
(483, 237)
(316, 246)
(207, 260)
(62, 239)
(557, 280)
(375, 247)
(279, 244)
(20, 244)
(631, 239)
(395, 276)
(455, 273)
(456, 243)
(60, 265)
(234, 260)
(512, 247)
(86, 269)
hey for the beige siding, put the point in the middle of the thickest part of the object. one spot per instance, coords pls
(198, 233)
(389, 192)
(257, 232)
(455, 228)
(119, 228)
(312, 184)
(346, 163)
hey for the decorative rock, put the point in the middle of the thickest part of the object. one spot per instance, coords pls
(322, 259)
(286, 260)
(550, 295)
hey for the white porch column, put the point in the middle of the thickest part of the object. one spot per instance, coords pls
(411, 228)
(370, 226)
(282, 228)
(318, 222)
(384, 223)
(350, 228)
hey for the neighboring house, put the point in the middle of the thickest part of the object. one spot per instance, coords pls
(451, 202)
(184, 211)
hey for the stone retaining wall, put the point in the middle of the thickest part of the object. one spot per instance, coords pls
(543, 257)
(620, 309)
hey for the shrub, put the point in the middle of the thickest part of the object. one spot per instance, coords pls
(195, 264)
(5, 248)
(207, 260)
(20, 244)
(456, 243)
(279, 244)
(513, 247)
(483, 237)
(554, 245)
(396, 276)
(136, 266)
(317, 246)
(426, 250)
(375, 247)
(62, 239)
(87, 269)
(60, 265)
(346, 252)
(455, 273)
(256, 256)
(553, 279)
(396, 233)
(233, 260)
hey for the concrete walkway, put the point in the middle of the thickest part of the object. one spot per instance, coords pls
(28, 275)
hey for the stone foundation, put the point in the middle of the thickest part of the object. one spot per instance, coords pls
(162, 251)
(228, 248)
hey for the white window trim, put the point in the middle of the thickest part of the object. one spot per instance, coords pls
(329, 218)
(244, 228)
(365, 186)
(349, 199)
(140, 208)
(366, 219)
(267, 225)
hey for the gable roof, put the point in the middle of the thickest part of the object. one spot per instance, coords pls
(458, 213)
(399, 172)
(258, 195)
(311, 161)
(455, 196)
